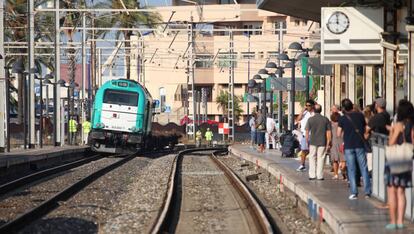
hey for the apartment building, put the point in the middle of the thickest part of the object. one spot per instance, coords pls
(161, 61)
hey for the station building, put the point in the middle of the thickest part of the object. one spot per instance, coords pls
(160, 60)
(390, 75)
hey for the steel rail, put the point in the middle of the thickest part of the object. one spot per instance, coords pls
(253, 205)
(47, 206)
(15, 184)
(165, 218)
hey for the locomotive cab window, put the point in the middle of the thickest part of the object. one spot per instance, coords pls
(120, 97)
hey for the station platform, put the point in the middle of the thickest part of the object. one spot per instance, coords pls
(327, 200)
(28, 156)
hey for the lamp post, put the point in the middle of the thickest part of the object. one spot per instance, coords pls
(55, 101)
(291, 64)
(47, 77)
(279, 72)
(7, 108)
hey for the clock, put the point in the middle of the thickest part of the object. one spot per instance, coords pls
(338, 23)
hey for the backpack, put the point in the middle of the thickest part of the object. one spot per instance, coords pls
(289, 144)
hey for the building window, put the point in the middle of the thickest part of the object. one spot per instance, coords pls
(304, 22)
(162, 98)
(259, 30)
(260, 55)
(224, 59)
(208, 92)
(272, 54)
(204, 61)
(248, 26)
(247, 55)
(297, 22)
(280, 23)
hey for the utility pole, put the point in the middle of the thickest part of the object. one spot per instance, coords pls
(3, 112)
(83, 74)
(248, 77)
(31, 118)
(280, 93)
(231, 89)
(191, 127)
(57, 102)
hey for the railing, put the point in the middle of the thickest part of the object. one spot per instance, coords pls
(379, 189)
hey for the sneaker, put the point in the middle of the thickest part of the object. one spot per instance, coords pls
(335, 177)
(353, 197)
(312, 178)
(301, 168)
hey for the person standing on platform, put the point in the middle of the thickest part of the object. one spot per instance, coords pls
(351, 126)
(303, 118)
(198, 138)
(318, 135)
(381, 121)
(86, 127)
(252, 124)
(73, 128)
(337, 150)
(402, 131)
(270, 131)
(261, 130)
(209, 137)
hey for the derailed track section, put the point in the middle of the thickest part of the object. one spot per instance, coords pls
(206, 196)
(52, 203)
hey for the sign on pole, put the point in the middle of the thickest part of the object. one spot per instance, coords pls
(285, 84)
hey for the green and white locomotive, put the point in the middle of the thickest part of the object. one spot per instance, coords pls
(122, 116)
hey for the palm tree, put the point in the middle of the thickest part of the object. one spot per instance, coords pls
(222, 101)
(16, 31)
(125, 20)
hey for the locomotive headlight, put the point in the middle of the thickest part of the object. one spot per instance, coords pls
(100, 125)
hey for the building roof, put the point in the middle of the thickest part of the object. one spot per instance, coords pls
(304, 9)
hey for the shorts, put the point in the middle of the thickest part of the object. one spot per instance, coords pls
(303, 144)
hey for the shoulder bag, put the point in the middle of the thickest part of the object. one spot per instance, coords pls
(399, 157)
(367, 146)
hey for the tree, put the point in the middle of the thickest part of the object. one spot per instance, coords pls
(125, 20)
(15, 30)
(222, 101)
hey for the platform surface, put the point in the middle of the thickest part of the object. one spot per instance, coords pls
(327, 199)
(30, 155)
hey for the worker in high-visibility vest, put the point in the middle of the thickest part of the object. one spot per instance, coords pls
(199, 136)
(73, 128)
(209, 137)
(86, 126)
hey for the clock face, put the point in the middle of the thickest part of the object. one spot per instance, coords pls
(338, 23)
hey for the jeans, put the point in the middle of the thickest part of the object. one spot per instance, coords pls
(354, 158)
(253, 137)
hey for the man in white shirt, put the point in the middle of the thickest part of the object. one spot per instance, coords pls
(303, 118)
(270, 131)
(252, 124)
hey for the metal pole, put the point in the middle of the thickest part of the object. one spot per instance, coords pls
(280, 93)
(307, 86)
(3, 84)
(31, 121)
(25, 119)
(7, 109)
(292, 98)
(248, 77)
(41, 115)
(69, 116)
(199, 108)
(191, 54)
(57, 108)
(83, 75)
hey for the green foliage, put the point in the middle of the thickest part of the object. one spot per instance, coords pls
(222, 101)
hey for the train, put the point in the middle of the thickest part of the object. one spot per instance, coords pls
(121, 117)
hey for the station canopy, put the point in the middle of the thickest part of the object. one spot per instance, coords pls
(304, 9)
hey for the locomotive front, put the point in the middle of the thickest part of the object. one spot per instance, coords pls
(121, 117)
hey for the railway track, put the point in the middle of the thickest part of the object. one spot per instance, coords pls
(52, 203)
(230, 204)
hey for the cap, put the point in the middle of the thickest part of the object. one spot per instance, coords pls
(381, 102)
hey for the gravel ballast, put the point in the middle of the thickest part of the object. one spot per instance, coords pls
(28, 197)
(265, 186)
